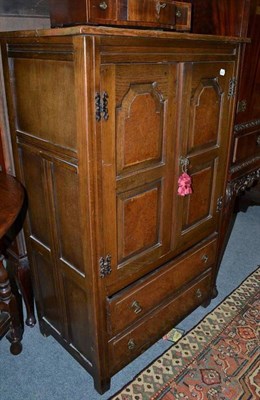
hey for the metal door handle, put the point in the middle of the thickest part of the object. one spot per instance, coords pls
(205, 258)
(136, 307)
(103, 5)
(131, 344)
(159, 6)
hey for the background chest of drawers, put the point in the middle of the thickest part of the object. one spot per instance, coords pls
(148, 13)
(103, 122)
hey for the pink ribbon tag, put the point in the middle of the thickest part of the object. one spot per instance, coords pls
(184, 183)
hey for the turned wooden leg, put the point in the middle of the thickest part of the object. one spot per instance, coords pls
(19, 276)
(9, 304)
(25, 285)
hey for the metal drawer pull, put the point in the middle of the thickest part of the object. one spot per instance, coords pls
(178, 14)
(159, 6)
(131, 344)
(136, 307)
(103, 5)
(198, 293)
(205, 258)
(258, 140)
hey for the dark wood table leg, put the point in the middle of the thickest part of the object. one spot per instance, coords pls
(25, 285)
(9, 304)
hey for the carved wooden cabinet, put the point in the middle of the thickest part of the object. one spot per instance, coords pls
(239, 18)
(104, 121)
(245, 163)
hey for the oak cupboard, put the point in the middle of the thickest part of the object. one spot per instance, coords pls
(104, 121)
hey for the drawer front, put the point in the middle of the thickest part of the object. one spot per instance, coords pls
(128, 306)
(128, 346)
(152, 11)
(182, 16)
(102, 10)
(246, 146)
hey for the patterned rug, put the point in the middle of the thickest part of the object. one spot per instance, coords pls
(216, 360)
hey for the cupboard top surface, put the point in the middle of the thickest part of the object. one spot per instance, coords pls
(107, 31)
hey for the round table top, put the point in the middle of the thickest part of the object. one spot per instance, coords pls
(11, 201)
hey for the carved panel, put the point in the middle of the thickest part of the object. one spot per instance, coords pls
(138, 220)
(247, 125)
(139, 127)
(238, 186)
(205, 114)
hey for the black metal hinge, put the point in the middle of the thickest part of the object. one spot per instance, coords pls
(232, 87)
(219, 204)
(101, 103)
(105, 266)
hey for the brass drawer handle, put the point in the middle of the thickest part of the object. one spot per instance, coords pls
(205, 258)
(159, 6)
(103, 5)
(131, 344)
(178, 13)
(199, 294)
(136, 307)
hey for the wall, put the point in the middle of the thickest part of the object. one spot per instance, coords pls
(17, 15)
(14, 23)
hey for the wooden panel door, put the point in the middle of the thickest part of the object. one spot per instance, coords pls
(138, 178)
(205, 132)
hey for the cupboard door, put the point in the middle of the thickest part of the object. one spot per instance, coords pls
(139, 150)
(205, 127)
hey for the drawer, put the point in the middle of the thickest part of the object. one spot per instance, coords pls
(128, 346)
(169, 13)
(152, 11)
(102, 10)
(182, 16)
(131, 304)
(246, 146)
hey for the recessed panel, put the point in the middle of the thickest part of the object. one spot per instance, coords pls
(45, 102)
(67, 210)
(139, 127)
(138, 221)
(34, 178)
(77, 314)
(205, 114)
(198, 204)
(49, 303)
(246, 146)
